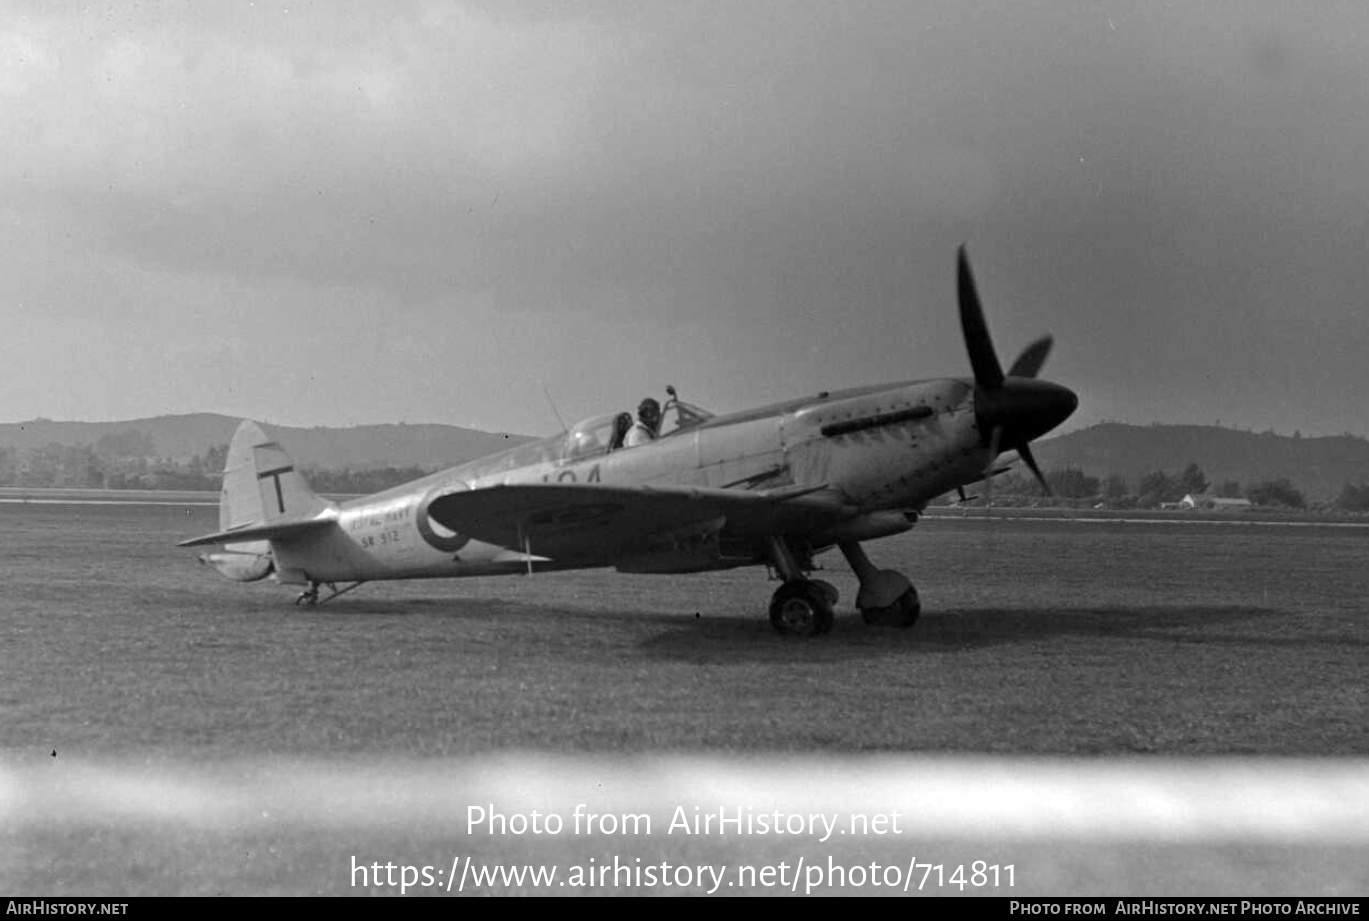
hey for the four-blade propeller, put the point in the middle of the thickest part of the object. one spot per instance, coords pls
(1010, 409)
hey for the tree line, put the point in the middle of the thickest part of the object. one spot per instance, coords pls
(1072, 486)
(127, 460)
(94, 467)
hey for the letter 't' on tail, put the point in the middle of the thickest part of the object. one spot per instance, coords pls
(264, 496)
(261, 485)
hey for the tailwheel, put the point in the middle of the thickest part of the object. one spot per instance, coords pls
(310, 596)
(902, 613)
(801, 607)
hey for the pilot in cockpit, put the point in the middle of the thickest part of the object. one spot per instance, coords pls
(648, 421)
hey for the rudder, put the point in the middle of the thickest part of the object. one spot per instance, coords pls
(261, 485)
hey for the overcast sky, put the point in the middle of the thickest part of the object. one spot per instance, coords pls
(337, 213)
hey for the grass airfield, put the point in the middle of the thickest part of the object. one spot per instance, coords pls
(1110, 707)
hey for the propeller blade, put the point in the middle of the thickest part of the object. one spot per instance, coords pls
(988, 373)
(994, 438)
(1025, 452)
(1029, 363)
(1009, 413)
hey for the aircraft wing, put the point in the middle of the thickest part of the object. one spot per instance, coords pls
(564, 521)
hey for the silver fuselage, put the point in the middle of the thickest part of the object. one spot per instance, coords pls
(896, 466)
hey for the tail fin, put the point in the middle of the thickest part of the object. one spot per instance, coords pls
(261, 485)
(263, 495)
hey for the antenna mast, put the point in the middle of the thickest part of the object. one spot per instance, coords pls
(552, 404)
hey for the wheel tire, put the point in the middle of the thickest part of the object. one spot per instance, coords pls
(829, 590)
(800, 608)
(909, 608)
(902, 613)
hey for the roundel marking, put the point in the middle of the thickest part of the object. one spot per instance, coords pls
(435, 533)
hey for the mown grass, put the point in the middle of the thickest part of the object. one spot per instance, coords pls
(1038, 638)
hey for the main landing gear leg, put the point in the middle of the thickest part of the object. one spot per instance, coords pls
(799, 607)
(310, 598)
(886, 596)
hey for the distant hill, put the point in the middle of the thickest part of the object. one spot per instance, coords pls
(362, 447)
(1320, 467)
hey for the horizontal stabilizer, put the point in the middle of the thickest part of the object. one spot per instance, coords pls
(278, 531)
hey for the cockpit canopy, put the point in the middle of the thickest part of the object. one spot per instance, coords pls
(596, 435)
(601, 434)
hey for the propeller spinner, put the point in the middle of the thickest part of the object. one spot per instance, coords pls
(1015, 408)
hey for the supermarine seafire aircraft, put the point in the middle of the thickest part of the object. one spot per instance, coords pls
(772, 486)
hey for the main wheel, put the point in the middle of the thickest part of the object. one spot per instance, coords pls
(902, 613)
(801, 608)
(829, 590)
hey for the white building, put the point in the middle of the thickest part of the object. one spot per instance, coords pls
(1213, 503)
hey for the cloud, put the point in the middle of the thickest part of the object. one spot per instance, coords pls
(780, 184)
(185, 106)
(234, 146)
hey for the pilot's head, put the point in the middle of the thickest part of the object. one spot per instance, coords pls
(649, 411)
